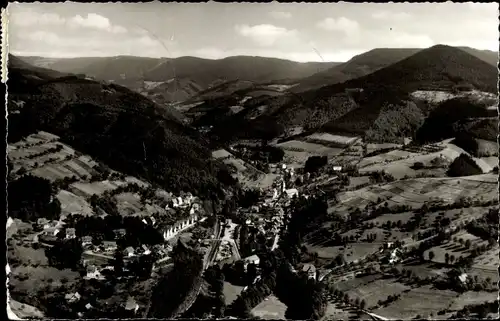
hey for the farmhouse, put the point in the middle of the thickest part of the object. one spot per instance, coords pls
(131, 305)
(109, 246)
(253, 259)
(129, 251)
(337, 168)
(86, 240)
(70, 233)
(72, 297)
(310, 269)
(292, 192)
(119, 233)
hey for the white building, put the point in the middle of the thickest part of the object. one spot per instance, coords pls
(292, 192)
(72, 297)
(131, 305)
(337, 168)
(252, 259)
(310, 270)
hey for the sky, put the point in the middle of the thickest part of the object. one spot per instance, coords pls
(294, 31)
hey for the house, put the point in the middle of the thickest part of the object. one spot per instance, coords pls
(149, 220)
(463, 278)
(72, 297)
(145, 249)
(43, 221)
(88, 306)
(86, 240)
(194, 208)
(310, 269)
(129, 252)
(109, 246)
(252, 259)
(93, 273)
(131, 305)
(119, 233)
(70, 233)
(337, 168)
(292, 192)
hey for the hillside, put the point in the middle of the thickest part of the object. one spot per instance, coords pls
(118, 127)
(192, 74)
(357, 66)
(367, 103)
(373, 60)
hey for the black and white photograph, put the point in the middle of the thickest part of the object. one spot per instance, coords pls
(261, 161)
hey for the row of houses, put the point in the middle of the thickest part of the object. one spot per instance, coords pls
(181, 225)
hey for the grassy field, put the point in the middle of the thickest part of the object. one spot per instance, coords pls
(128, 203)
(488, 260)
(339, 311)
(454, 248)
(231, 292)
(23, 310)
(221, 153)
(487, 147)
(472, 298)
(416, 192)
(377, 290)
(418, 301)
(351, 252)
(313, 149)
(329, 138)
(270, 309)
(71, 203)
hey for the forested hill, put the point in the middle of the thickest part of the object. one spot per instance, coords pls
(119, 127)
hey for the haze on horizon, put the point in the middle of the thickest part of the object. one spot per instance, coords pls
(299, 32)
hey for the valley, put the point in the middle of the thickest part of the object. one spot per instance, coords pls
(248, 187)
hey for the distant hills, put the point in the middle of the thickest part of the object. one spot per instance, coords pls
(122, 128)
(371, 61)
(371, 103)
(180, 78)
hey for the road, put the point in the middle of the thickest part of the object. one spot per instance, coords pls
(207, 262)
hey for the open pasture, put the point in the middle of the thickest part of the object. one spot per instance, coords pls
(354, 283)
(418, 301)
(77, 169)
(491, 161)
(339, 311)
(97, 188)
(377, 290)
(351, 252)
(231, 292)
(370, 148)
(42, 135)
(23, 310)
(472, 298)
(221, 153)
(487, 147)
(416, 192)
(295, 159)
(488, 260)
(330, 138)
(128, 203)
(270, 309)
(313, 149)
(71, 203)
(454, 248)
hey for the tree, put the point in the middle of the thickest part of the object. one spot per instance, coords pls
(362, 304)
(431, 255)
(446, 258)
(452, 258)
(467, 244)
